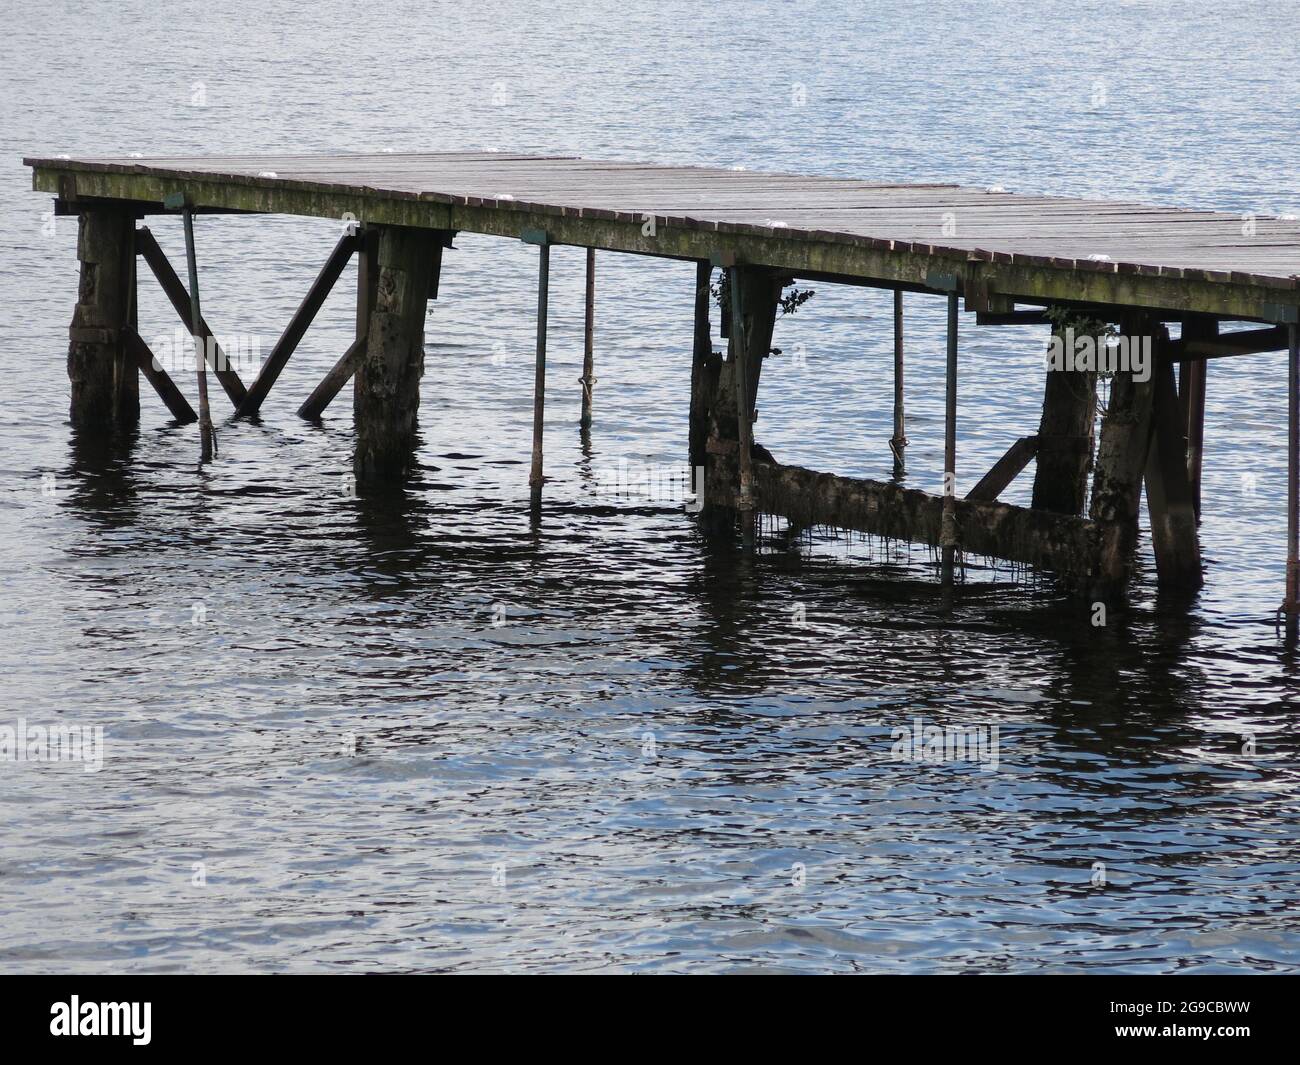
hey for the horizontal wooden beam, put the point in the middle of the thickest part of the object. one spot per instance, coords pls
(138, 208)
(1244, 342)
(1061, 543)
(1012, 318)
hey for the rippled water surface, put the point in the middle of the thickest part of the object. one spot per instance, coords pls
(603, 743)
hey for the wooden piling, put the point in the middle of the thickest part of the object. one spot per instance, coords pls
(539, 369)
(704, 367)
(1291, 604)
(948, 536)
(1169, 491)
(105, 384)
(1191, 384)
(898, 442)
(1121, 462)
(387, 396)
(754, 294)
(588, 379)
(1065, 441)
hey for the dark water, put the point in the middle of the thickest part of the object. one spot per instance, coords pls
(604, 743)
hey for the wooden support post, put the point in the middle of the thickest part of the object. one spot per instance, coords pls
(898, 442)
(127, 384)
(179, 298)
(740, 384)
(297, 327)
(1169, 492)
(367, 281)
(539, 369)
(1121, 461)
(588, 378)
(1191, 383)
(754, 295)
(1065, 439)
(1291, 604)
(387, 398)
(948, 536)
(105, 385)
(704, 367)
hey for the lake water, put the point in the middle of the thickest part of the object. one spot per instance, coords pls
(605, 743)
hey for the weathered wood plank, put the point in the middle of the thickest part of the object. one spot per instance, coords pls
(1036, 247)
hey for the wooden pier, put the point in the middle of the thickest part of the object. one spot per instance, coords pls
(1091, 267)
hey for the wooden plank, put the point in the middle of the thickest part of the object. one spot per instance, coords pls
(367, 292)
(1238, 289)
(1213, 346)
(297, 327)
(1039, 247)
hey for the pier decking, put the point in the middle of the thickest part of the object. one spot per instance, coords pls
(1010, 257)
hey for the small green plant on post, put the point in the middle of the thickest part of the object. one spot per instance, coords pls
(789, 302)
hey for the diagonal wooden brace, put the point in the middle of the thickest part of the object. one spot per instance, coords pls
(297, 327)
(165, 387)
(323, 395)
(1004, 471)
(179, 296)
